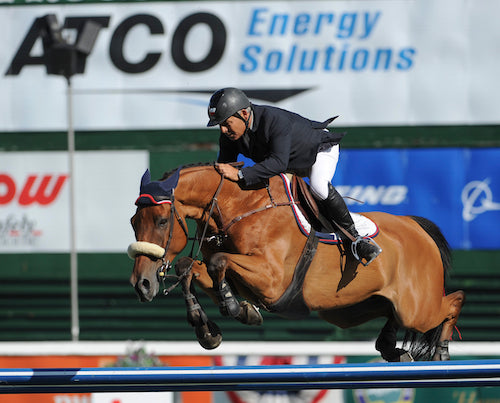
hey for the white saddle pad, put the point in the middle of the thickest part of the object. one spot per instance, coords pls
(364, 225)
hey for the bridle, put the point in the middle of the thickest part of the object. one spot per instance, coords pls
(153, 250)
(167, 264)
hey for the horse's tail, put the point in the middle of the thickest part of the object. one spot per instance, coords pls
(423, 346)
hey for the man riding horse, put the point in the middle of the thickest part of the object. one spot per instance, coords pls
(282, 141)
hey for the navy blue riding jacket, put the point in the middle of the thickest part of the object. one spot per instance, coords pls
(280, 141)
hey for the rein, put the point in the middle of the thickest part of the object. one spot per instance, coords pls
(251, 212)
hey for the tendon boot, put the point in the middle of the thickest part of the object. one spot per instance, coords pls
(335, 210)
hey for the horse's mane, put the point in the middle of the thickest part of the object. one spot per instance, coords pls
(192, 165)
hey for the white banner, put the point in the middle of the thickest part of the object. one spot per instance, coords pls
(154, 65)
(130, 397)
(34, 200)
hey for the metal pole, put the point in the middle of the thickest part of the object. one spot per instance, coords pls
(434, 374)
(75, 323)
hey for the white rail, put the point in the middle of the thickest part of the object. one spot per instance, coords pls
(167, 348)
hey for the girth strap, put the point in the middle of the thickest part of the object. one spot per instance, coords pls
(291, 304)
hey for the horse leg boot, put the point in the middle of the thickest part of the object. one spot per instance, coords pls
(335, 210)
(242, 311)
(207, 332)
(228, 304)
(386, 344)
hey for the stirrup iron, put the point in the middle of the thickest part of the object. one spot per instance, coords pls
(354, 249)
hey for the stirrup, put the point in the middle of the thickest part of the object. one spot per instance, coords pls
(354, 249)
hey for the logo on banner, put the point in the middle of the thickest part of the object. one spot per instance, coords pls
(477, 198)
(35, 190)
(18, 230)
(384, 395)
(372, 195)
(346, 49)
(346, 44)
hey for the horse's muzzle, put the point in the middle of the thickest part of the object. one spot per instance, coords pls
(146, 285)
(146, 289)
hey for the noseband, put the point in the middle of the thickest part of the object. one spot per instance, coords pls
(145, 248)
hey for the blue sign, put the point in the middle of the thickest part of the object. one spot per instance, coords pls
(457, 188)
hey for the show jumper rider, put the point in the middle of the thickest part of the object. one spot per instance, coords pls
(280, 141)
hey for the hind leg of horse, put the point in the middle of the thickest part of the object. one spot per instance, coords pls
(386, 344)
(454, 303)
(242, 311)
(207, 332)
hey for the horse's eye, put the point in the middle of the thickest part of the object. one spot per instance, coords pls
(162, 222)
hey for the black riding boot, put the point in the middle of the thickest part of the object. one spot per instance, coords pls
(335, 210)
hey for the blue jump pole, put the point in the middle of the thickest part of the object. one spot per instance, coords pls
(287, 377)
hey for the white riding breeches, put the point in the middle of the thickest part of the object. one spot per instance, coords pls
(323, 170)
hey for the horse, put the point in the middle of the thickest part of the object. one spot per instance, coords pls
(251, 247)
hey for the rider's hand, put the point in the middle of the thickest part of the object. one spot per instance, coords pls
(227, 171)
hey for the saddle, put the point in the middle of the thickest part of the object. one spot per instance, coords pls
(307, 204)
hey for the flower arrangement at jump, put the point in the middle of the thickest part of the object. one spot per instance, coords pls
(138, 357)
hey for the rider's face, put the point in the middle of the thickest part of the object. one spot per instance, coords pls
(234, 127)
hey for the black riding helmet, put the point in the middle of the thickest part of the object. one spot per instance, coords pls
(225, 103)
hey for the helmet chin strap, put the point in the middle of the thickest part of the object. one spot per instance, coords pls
(247, 122)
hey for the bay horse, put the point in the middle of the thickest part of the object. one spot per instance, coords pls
(251, 244)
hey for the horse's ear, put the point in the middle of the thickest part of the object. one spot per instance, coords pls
(171, 182)
(146, 178)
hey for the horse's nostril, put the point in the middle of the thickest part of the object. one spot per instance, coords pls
(145, 284)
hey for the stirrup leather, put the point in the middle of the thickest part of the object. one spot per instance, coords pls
(354, 249)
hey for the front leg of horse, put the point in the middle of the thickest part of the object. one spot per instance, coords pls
(228, 304)
(207, 332)
(243, 311)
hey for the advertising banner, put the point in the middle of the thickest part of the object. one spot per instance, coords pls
(34, 200)
(458, 189)
(155, 64)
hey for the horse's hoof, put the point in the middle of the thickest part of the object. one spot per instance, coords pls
(406, 357)
(249, 314)
(209, 336)
(442, 353)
